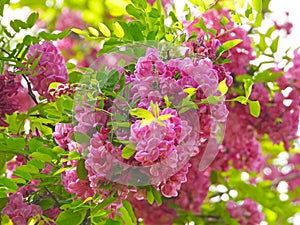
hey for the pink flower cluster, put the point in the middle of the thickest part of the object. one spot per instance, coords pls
(63, 134)
(247, 213)
(239, 55)
(8, 90)
(291, 77)
(292, 176)
(243, 149)
(18, 211)
(153, 214)
(286, 26)
(50, 67)
(279, 116)
(190, 197)
(73, 184)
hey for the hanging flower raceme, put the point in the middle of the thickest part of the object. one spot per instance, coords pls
(46, 66)
(8, 89)
(247, 213)
(168, 123)
(241, 54)
(18, 211)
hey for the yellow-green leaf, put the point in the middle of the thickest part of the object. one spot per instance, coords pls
(93, 31)
(118, 30)
(223, 87)
(104, 30)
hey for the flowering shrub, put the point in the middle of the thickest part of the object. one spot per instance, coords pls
(120, 112)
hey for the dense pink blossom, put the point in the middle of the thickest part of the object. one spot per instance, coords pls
(50, 67)
(247, 213)
(291, 77)
(88, 118)
(18, 211)
(13, 164)
(8, 90)
(194, 191)
(153, 214)
(73, 184)
(239, 55)
(52, 213)
(286, 26)
(69, 19)
(243, 149)
(279, 116)
(63, 134)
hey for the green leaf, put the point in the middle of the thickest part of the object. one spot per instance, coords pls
(190, 91)
(81, 171)
(34, 144)
(257, 5)
(274, 45)
(46, 203)
(241, 99)
(71, 218)
(75, 77)
(248, 87)
(141, 113)
(2, 162)
(222, 87)
(28, 169)
(202, 25)
(154, 13)
(157, 196)
(104, 30)
(37, 163)
(262, 43)
(142, 4)
(106, 202)
(118, 30)
(227, 46)
(126, 217)
(80, 137)
(135, 28)
(131, 10)
(41, 156)
(267, 76)
(8, 183)
(165, 117)
(32, 19)
(128, 207)
(5, 220)
(254, 107)
(128, 151)
(17, 25)
(22, 174)
(94, 31)
(224, 21)
(112, 222)
(79, 31)
(150, 197)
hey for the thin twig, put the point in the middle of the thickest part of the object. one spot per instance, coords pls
(52, 196)
(30, 92)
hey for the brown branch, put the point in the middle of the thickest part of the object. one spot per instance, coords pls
(30, 92)
(287, 178)
(52, 196)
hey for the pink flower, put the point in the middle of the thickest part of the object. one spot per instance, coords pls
(50, 67)
(18, 211)
(69, 19)
(63, 134)
(247, 213)
(73, 184)
(8, 90)
(194, 191)
(239, 55)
